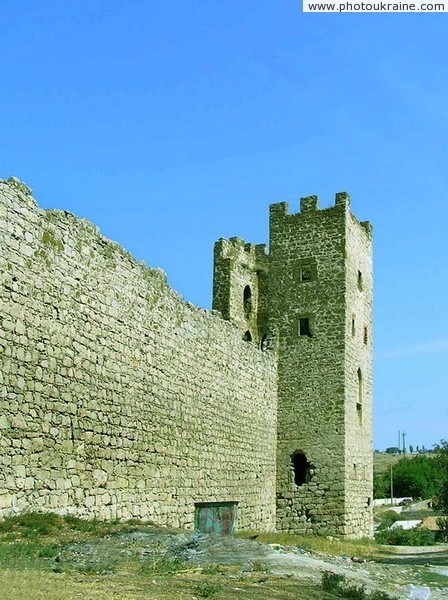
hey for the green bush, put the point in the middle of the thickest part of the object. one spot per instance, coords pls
(380, 596)
(335, 584)
(419, 536)
(332, 582)
(207, 590)
(354, 592)
(388, 518)
(31, 525)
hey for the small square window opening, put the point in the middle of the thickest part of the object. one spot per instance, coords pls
(305, 327)
(306, 272)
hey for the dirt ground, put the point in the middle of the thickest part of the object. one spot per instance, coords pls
(238, 568)
(159, 564)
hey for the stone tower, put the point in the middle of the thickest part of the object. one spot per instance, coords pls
(313, 295)
(240, 286)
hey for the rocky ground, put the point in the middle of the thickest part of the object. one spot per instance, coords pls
(403, 567)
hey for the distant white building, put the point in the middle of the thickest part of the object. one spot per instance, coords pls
(406, 524)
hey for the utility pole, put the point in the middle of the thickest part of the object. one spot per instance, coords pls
(404, 442)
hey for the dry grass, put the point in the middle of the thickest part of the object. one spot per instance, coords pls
(382, 461)
(51, 586)
(365, 548)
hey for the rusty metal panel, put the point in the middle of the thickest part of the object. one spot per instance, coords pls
(216, 517)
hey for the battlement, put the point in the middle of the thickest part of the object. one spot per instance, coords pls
(308, 204)
(368, 227)
(236, 249)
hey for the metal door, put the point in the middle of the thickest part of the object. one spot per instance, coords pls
(216, 517)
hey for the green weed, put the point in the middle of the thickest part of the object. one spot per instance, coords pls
(336, 584)
(332, 582)
(32, 525)
(50, 551)
(207, 590)
(211, 569)
(162, 566)
(259, 567)
(21, 555)
(96, 568)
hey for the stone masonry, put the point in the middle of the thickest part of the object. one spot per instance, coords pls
(311, 301)
(118, 399)
(321, 279)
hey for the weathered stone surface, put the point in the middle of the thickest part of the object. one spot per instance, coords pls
(312, 299)
(118, 399)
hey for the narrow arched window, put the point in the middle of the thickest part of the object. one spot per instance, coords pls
(359, 403)
(360, 282)
(264, 344)
(247, 337)
(359, 386)
(247, 301)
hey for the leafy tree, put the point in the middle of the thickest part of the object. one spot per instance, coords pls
(393, 450)
(441, 462)
(381, 487)
(387, 518)
(417, 477)
(411, 449)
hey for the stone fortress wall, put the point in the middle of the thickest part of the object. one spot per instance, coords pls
(117, 398)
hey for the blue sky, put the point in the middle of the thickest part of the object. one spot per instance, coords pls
(172, 124)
